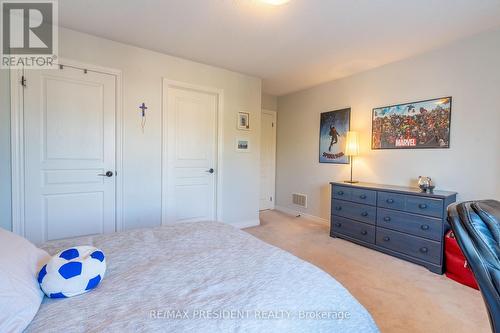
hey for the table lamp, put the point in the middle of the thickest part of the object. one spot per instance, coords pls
(351, 150)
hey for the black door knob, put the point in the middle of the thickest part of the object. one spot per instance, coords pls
(211, 170)
(107, 174)
(364, 232)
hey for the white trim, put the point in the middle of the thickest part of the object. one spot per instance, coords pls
(17, 151)
(17, 143)
(220, 142)
(245, 224)
(294, 212)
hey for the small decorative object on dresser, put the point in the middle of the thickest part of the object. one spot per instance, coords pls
(400, 221)
(425, 184)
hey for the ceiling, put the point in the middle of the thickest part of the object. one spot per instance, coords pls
(291, 47)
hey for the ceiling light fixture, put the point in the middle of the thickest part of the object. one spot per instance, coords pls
(275, 2)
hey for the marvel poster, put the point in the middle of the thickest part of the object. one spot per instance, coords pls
(334, 126)
(424, 124)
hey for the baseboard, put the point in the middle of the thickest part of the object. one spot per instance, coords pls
(245, 224)
(294, 212)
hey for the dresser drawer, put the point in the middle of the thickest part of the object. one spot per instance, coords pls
(425, 206)
(411, 245)
(354, 211)
(423, 226)
(353, 229)
(411, 203)
(341, 192)
(391, 200)
(364, 196)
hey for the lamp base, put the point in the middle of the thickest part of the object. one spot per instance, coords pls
(351, 181)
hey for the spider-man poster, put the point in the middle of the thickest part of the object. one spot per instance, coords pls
(424, 124)
(334, 126)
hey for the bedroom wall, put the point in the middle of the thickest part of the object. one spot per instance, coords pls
(142, 72)
(269, 102)
(468, 70)
(5, 184)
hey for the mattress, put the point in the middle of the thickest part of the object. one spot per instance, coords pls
(201, 277)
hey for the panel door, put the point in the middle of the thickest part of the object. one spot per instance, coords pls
(191, 151)
(267, 159)
(69, 143)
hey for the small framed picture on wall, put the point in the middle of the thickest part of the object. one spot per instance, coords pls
(244, 121)
(242, 145)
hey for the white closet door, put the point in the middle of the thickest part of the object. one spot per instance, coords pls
(69, 142)
(267, 159)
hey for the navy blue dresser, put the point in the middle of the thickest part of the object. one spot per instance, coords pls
(400, 221)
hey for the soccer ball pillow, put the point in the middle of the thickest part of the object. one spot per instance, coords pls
(72, 272)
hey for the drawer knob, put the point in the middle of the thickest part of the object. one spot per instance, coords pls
(387, 238)
(362, 196)
(424, 250)
(338, 208)
(387, 219)
(364, 232)
(340, 192)
(424, 227)
(422, 206)
(364, 214)
(338, 224)
(389, 201)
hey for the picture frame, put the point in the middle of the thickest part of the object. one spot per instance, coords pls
(417, 125)
(243, 121)
(333, 129)
(242, 145)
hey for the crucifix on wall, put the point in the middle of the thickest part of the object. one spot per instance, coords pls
(143, 108)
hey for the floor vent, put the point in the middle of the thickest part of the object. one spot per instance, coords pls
(299, 199)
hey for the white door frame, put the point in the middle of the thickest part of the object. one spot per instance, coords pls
(274, 114)
(220, 142)
(17, 142)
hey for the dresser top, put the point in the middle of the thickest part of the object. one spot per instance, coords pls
(398, 189)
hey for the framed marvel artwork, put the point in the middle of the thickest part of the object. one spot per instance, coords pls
(424, 124)
(334, 126)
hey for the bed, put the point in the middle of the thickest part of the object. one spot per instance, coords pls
(201, 277)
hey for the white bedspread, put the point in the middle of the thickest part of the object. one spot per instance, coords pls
(202, 277)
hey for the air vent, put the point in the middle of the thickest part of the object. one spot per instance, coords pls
(299, 199)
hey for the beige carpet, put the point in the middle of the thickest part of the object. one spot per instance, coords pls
(402, 297)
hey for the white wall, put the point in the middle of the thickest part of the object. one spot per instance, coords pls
(269, 102)
(143, 71)
(5, 184)
(468, 70)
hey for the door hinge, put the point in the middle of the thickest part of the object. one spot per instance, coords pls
(23, 81)
(271, 199)
(272, 124)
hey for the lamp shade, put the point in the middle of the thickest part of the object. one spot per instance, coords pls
(352, 144)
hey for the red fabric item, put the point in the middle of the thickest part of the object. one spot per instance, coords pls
(457, 267)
